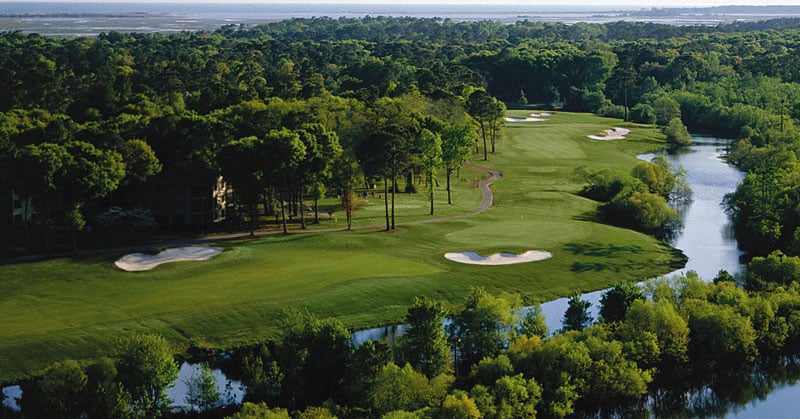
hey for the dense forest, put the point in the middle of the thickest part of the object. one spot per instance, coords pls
(286, 112)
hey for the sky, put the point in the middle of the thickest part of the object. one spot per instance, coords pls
(589, 4)
(598, 4)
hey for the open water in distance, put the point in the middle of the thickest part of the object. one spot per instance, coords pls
(68, 19)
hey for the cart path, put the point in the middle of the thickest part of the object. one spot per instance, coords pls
(487, 196)
(487, 199)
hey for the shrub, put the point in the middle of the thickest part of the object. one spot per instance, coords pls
(612, 111)
(643, 114)
(677, 133)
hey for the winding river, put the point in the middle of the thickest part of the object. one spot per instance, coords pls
(706, 238)
(707, 234)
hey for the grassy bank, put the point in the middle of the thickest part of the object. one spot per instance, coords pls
(68, 308)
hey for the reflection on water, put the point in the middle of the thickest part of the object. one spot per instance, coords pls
(707, 233)
(760, 391)
(232, 391)
(11, 394)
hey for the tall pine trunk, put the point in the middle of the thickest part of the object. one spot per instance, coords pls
(394, 191)
(449, 172)
(302, 208)
(74, 236)
(483, 133)
(348, 208)
(283, 216)
(316, 209)
(492, 130)
(386, 200)
(430, 185)
(253, 218)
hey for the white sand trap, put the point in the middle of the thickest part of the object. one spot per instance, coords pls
(531, 119)
(135, 262)
(542, 114)
(473, 258)
(612, 134)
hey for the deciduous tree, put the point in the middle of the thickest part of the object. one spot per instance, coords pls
(457, 143)
(615, 302)
(482, 328)
(62, 179)
(677, 133)
(424, 344)
(146, 369)
(202, 392)
(577, 316)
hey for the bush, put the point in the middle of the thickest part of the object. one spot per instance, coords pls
(585, 100)
(643, 114)
(612, 111)
(666, 109)
(776, 269)
(657, 177)
(643, 211)
(677, 133)
(604, 185)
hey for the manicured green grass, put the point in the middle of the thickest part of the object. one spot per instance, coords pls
(79, 308)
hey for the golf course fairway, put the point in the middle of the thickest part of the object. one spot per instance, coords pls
(80, 308)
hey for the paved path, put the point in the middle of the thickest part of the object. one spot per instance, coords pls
(486, 202)
(486, 191)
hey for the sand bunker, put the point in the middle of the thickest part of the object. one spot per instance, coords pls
(612, 134)
(135, 262)
(473, 258)
(509, 119)
(535, 117)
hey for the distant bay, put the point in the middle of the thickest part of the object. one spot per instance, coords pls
(68, 19)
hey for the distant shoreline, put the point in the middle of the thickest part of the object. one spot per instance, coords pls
(67, 19)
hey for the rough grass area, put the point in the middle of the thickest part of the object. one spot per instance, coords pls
(79, 309)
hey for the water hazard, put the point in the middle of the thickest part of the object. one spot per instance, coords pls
(707, 234)
(706, 238)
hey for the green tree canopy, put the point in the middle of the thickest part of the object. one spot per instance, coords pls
(577, 316)
(146, 369)
(615, 302)
(457, 143)
(677, 133)
(483, 328)
(424, 344)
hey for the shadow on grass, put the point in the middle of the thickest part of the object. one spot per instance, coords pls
(601, 250)
(579, 267)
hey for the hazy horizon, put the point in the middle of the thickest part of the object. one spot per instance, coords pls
(526, 3)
